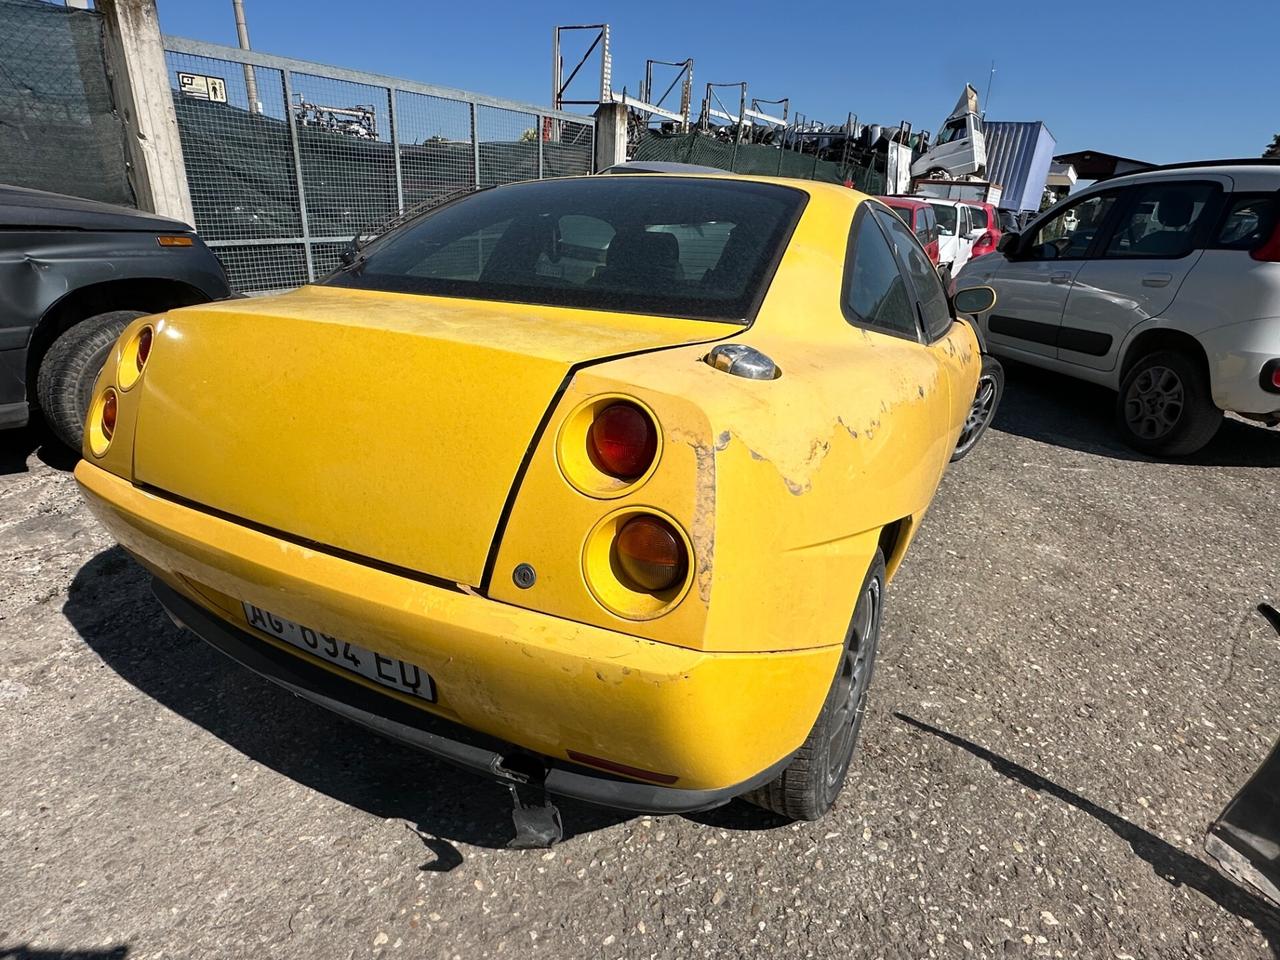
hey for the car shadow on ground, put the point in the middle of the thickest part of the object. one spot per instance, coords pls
(1172, 865)
(110, 605)
(23, 952)
(16, 447)
(1066, 412)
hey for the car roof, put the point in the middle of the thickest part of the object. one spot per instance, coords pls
(22, 207)
(898, 200)
(1248, 169)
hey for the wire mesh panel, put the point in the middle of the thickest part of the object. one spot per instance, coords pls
(239, 158)
(287, 160)
(508, 145)
(263, 266)
(436, 153)
(59, 129)
(345, 149)
(568, 148)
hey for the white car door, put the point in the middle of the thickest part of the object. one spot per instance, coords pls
(1156, 240)
(1033, 280)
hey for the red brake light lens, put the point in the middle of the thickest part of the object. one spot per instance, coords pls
(144, 347)
(651, 553)
(109, 414)
(1269, 252)
(623, 441)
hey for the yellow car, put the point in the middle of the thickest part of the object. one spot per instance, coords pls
(593, 484)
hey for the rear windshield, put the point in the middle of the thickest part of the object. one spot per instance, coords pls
(701, 249)
(904, 213)
(946, 219)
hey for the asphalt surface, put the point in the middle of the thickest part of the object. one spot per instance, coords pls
(1073, 682)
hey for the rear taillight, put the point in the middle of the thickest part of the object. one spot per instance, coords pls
(622, 441)
(651, 553)
(144, 348)
(1269, 252)
(1269, 379)
(109, 404)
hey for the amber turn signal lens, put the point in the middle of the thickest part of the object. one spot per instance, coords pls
(651, 553)
(109, 414)
(144, 347)
(623, 441)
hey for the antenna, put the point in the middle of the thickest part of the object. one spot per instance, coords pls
(987, 99)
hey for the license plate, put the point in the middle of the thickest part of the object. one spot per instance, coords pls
(387, 671)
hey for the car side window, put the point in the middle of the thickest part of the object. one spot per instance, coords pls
(926, 285)
(875, 292)
(1069, 233)
(979, 216)
(1247, 221)
(1162, 220)
(925, 226)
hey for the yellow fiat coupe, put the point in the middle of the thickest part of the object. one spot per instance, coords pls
(593, 485)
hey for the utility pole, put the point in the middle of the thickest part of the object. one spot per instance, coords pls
(250, 81)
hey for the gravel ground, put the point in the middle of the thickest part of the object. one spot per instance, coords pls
(1073, 683)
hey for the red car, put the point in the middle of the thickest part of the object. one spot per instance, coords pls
(986, 219)
(919, 216)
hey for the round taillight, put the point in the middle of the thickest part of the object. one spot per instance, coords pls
(144, 347)
(651, 553)
(623, 441)
(109, 414)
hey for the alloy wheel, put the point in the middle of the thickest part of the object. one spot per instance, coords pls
(980, 413)
(1154, 403)
(853, 681)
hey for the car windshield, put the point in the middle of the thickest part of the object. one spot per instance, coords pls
(680, 247)
(946, 219)
(951, 130)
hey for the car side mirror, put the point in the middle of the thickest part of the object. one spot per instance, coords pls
(974, 300)
(1008, 243)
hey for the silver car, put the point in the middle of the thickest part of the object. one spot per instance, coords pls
(1163, 285)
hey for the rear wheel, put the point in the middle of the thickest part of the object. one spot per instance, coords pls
(986, 400)
(810, 783)
(1165, 407)
(64, 384)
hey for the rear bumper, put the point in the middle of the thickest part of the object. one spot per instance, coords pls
(1237, 354)
(448, 741)
(505, 677)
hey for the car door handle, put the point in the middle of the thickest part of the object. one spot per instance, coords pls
(1156, 279)
(1059, 278)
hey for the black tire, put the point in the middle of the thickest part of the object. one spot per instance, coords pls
(986, 401)
(64, 385)
(1165, 407)
(810, 783)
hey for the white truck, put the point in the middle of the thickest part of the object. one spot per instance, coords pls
(960, 148)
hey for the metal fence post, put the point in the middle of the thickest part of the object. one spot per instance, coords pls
(539, 132)
(395, 150)
(475, 143)
(297, 171)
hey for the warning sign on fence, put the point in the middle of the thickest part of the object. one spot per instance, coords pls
(203, 88)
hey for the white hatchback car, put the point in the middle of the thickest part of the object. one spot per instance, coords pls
(1163, 285)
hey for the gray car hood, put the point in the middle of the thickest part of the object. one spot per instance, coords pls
(22, 208)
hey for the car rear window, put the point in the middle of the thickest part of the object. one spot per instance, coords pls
(1247, 221)
(946, 219)
(681, 247)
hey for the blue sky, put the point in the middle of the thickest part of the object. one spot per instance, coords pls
(1159, 81)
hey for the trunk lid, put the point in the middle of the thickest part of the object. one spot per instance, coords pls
(389, 426)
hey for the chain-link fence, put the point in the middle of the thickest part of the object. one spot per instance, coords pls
(59, 129)
(288, 160)
(758, 159)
